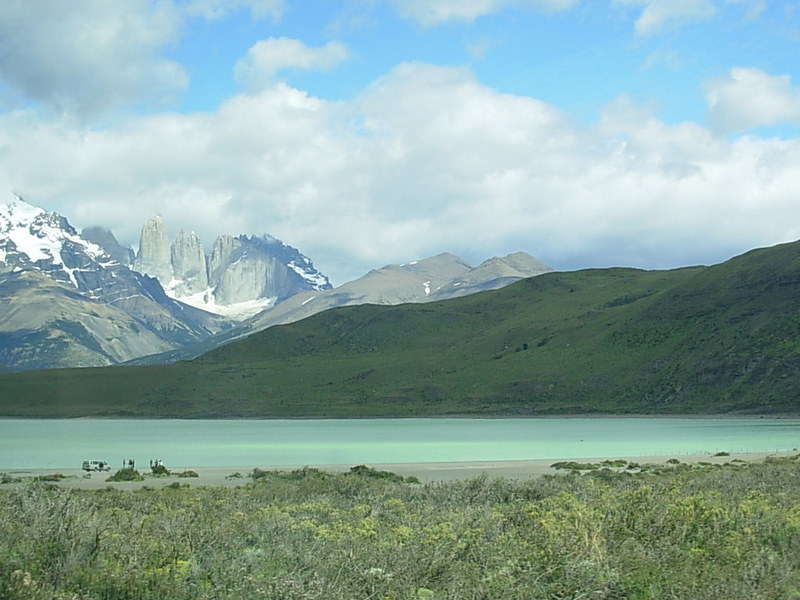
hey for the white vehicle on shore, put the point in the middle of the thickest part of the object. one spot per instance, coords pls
(95, 465)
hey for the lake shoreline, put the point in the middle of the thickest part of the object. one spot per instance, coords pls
(428, 472)
(433, 417)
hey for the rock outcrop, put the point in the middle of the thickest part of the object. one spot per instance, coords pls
(221, 252)
(244, 269)
(189, 270)
(154, 257)
(241, 276)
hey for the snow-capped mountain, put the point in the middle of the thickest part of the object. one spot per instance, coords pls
(94, 310)
(34, 239)
(240, 277)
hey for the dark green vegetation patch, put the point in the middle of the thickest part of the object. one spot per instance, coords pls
(679, 531)
(720, 339)
(126, 474)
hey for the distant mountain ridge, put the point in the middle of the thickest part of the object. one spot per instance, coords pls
(437, 278)
(695, 340)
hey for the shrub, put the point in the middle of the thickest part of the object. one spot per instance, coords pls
(50, 477)
(126, 474)
(571, 465)
(617, 463)
(160, 470)
(176, 485)
(257, 473)
(366, 471)
(188, 473)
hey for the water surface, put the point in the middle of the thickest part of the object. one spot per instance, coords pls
(65, 443)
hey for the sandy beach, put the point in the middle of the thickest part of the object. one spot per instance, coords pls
(426, 472)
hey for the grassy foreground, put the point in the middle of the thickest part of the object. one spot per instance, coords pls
(676, 531)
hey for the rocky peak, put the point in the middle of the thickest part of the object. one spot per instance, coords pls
(244, 269)
(34, 239)
(188, 260)
(517, 264)
(154, 252)
(241, 276)
(221, 252)
(105, 239)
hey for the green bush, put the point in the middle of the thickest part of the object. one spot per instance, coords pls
(126, 474)
(257, 473)
(366, 471)
(50, 477)
(617, 463)
(571, 465)
(176, 485)
(188, 473)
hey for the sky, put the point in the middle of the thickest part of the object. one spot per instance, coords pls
(588, 133)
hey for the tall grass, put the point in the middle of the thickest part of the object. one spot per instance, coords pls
(675, 532)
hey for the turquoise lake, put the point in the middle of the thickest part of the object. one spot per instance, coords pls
(65, 443)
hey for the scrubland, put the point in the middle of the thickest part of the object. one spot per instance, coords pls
(672, 531)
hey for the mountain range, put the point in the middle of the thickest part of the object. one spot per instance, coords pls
(437, 278)
(695, 340)
(78, 300)
(67, 302)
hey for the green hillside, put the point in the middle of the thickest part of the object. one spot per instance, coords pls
(720, 339)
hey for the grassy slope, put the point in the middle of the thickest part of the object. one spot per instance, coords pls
(703, 339)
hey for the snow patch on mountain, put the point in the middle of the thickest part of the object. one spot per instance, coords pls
(310, 274)
(238, 311)
(34, 237)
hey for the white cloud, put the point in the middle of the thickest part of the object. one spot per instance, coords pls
(656, 14)
(87, 56)
(217, 9)
(436, 12)
(426, 160)
(268, 57)
(747, 98)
